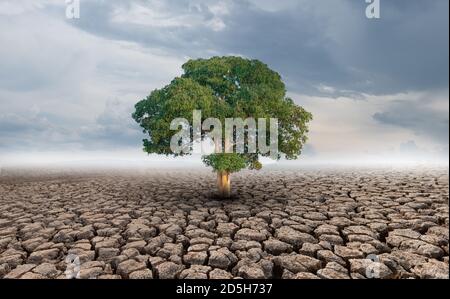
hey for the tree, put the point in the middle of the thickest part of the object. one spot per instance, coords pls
(224, 87)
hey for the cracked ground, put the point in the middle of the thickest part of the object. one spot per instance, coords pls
(360, 223)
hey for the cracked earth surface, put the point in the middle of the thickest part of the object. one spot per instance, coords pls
(282, 224)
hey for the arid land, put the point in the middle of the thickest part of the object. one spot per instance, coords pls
(342, 223)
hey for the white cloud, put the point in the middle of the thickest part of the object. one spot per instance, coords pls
(160, 14)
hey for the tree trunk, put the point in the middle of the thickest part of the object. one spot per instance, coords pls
(223, 183)
(223, 177)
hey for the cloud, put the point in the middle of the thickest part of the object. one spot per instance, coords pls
(409, 147)
(13, 124)
(30, 130)
(113, 128)
(372, 85)
(18, 7)
(427, 117)
(309, 151)
(311, 43)
(56, 81)
(345, 128)
(33, 130)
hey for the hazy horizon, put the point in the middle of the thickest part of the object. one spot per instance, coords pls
(139, 159)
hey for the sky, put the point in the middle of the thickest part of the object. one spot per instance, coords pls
(377, 88)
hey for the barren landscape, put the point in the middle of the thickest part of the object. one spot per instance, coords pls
(290, 224)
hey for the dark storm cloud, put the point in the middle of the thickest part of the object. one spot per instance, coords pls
(418, 117)
(407, 49)
(312, 44)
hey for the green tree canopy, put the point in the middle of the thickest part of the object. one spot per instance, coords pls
(224, 87)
